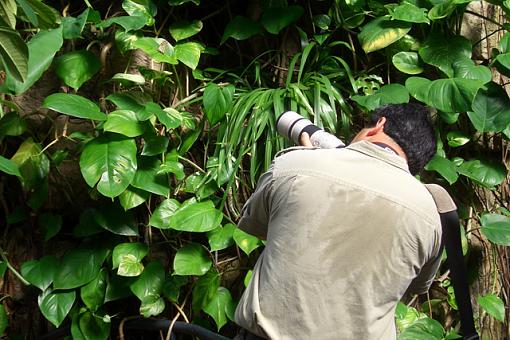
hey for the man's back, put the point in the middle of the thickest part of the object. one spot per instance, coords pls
(348, 230)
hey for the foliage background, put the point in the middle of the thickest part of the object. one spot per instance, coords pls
(132, 132)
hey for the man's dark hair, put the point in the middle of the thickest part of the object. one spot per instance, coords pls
(410, 127)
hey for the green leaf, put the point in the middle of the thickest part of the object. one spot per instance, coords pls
(50, 224)
(127, 257)
(12, 125)
(110, 162)
(423, 329)
(409, 12)
(217, 101)
(130, 23)
(40, 272)
(188, 53)
(79, 267)
(13, 54)
(245, 241)
(93, 293)
(9, 167)
(118, 287)
(221, 237)
(76, 67)
(487, 174)
(94, 327)
(169, 117)
(152, 305)
(443, 52)
(274, 19)
(192, 259)
(491, 109)
(150, 282)
(172, 287)
(196, 217)
(112, 218)
(466, 68)
(72, 27)
(184, 29)
(157, 48)
(388, 94)
(204, 289)
(73, 105)
(4, 319)
(496, 228)
(133, 197)
(221, 307)
(56, 305)
(147, 177)
(39, 14)
(240, 28)
(161, 216)
(144, 8)
(504, 43)
(407, 62)
(8, 11)
(32, 163)
(447, 95)
(444, 167)
(126, 101)
(441, 10)
(493, 305)
(128, 79)
(382, 32)
(247, 278)
(124, 122)
(457, 138)
(174, 167)
(41, 51)
(154, 145)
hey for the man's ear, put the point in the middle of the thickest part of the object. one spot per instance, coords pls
(378, 128)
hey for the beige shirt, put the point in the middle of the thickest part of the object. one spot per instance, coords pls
(348, 232)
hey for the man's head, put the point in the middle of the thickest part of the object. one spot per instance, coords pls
(409, 126)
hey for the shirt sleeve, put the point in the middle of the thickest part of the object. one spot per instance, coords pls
(256, 211)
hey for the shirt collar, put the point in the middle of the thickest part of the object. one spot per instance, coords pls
(378, 152)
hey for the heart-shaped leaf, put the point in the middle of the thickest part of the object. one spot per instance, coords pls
(496, 228)
(204, 289)
(75, 68)
(493, 305)
(221, 307)
(133, 197)
(93, 327)
(442, 53)
(221, 237)
(127, 257)
(129, 23)
(388, 94)
(381, 32)
(444, 167)
(40, 272)
(11, 124)
(274, 19)
(240, 28)
(148, 178)
(143, 8)
(407, 62)
(196, 217)
(409, 12)
(466, 68)
(150, 282)
(161, 216)
(217, 101)
(245, 241)
(192, 259)
(9, 167)
(189, 53)
(32, 163)
(491, 109)
(124, 122)
(78, 267)
(184, 29)
(56, 305)
(73, 105)
(487, 174)
(93, 293)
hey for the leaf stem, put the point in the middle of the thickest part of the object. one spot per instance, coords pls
(13, 270)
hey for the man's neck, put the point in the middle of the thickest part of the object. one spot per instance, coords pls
(382, 138)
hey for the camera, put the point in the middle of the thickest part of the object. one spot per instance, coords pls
(291, 125)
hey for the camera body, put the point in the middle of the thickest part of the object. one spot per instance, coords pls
(291, 125)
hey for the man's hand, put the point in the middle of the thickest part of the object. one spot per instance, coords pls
(305, 141)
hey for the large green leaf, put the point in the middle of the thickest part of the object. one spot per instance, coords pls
(32, 163)
(157, 48)
(188, 53)
(217, 101)
(407, 62)
(466, 68)
(9, 167)
(128, 257)
(40, 272)
(381, 32)
(150, 281)
(196, 217)
(184, 29)
(221, 307)
(73, 105)
(152, 305)
(50, 224)
(118, 287)
(274, 19)
(443, 52)
(39, 14)
(112, 218)
(13, 54)
(78, 267)
(130, 23)
(154, 145)
(148, 178)
(204, 289)
(75, 68)
(192, 259)
(160, 218)
(124, 122)
(94, 327)
(221, 237)
(240, 28)
(93, 293)
(493, 305)
(169, 117)
(423, 329)
(110, 162)
(447, 95)
(496, 228)
(12, 125)
(409, 12)
(444, 167)
(8, 11)
(388, 94)
(144, 8)
(56, 305)
(491, 109)
(72, 27)
(41, 50)
(133, 197)
(245, 241)
(487, 174)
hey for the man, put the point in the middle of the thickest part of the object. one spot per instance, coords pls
(349, 232)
